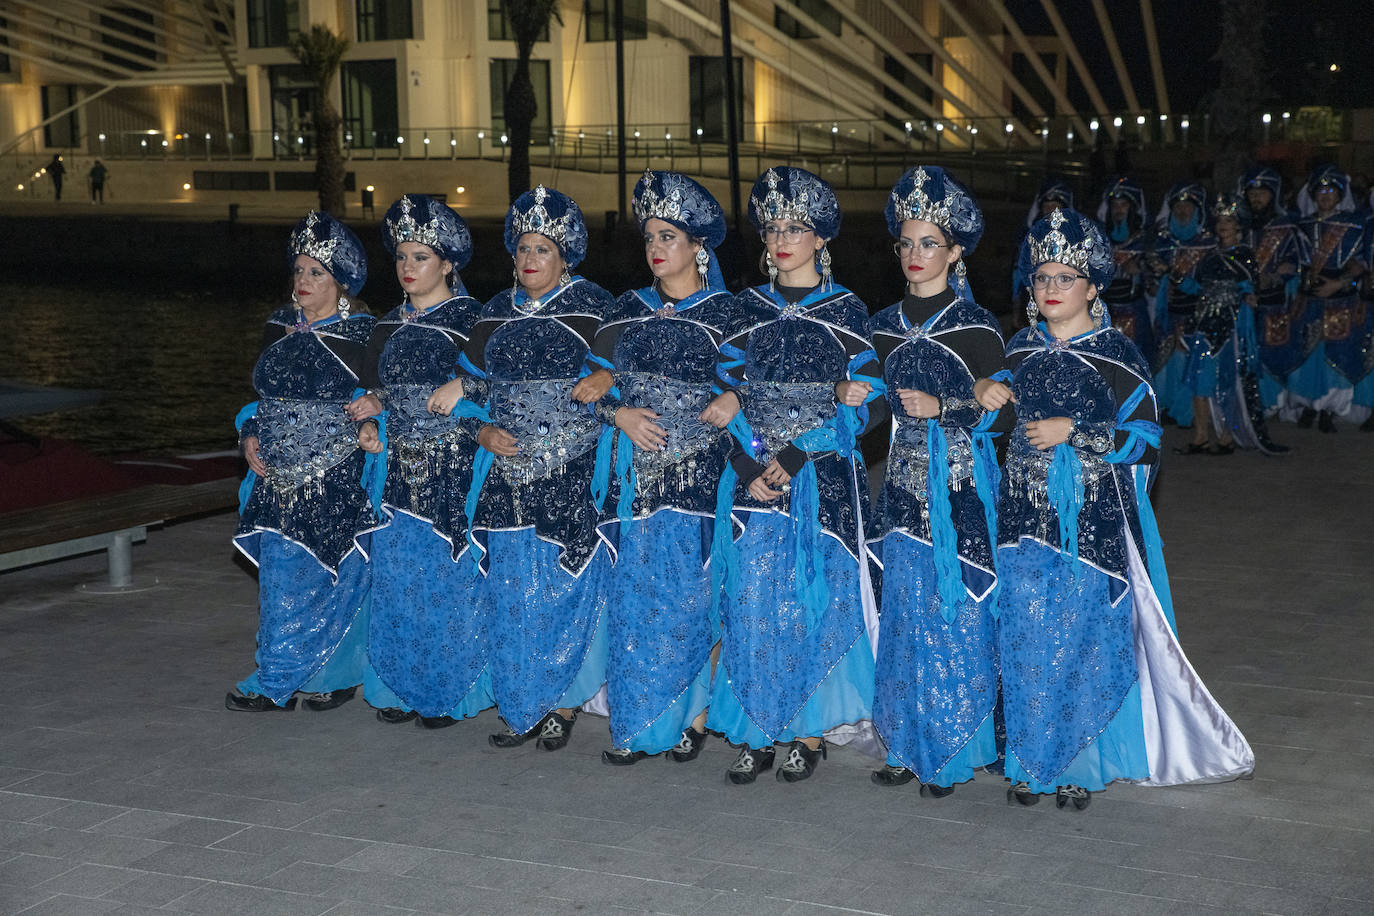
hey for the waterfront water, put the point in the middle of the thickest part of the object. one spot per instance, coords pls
(174, 365)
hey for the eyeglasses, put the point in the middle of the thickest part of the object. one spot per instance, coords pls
(1060, 282)
(926, 248)
(790, 233)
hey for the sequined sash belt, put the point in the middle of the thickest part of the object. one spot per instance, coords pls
(679, 405)
(551, 428)
(300, 440)
(408, 418)
(908, 460)
(1028, 470)
(780, 412)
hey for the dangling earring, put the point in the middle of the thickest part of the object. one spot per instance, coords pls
(961, 277)
(406, 307)
(703, 264)
(566, 278)
(825, 268)
(343, 307)
(1096, 310)
(514, 281)
(772, 271)
(1032, 311)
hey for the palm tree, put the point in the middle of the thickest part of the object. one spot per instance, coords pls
(320, 52)
(528, 20)
(1242, 88)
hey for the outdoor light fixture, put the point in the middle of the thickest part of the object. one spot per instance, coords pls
(1116, 122)
(461, 190)
(1184, 124)
(1163, 117)
(636, 133)
(369, 189)
(426, 141)
(186, 185)
(908, 127)
(1267, 118)
(973, 130)
(1335, 68)
(300, 141)
(667, 135)
(1140, 120)
(276, 137)
(1007, 128)
(21, 187)
(504, 138)
(453, 141)
(481, 135)
(1094, 124)
(102, 138)
(939, 126)
(164, 144)
(400, 141)
(581, 134)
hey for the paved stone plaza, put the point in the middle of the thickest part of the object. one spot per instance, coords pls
(126, 787)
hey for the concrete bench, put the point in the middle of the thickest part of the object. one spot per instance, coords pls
(112, 522)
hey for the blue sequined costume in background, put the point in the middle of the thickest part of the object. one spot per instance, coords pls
(659, 521)
(1125, 295)
(299, 524)
(427, 645)
(1174, 260)
(936, 679)
(534, 521)
(1336, 331)
(1278, 312)
(1095, 685)
(796, 660)
(1222, 363)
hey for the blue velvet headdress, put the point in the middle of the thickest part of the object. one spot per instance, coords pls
(1126, 189)
(1262, 176)
(784, 192)
(677, 199)
(1184, 190)
(553, 215)
(419, 218)
(1070, 238)
(929, 193)
(1325, 176)
(334, 245)
(1052, 188)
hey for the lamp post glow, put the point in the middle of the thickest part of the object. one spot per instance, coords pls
(1266, 119)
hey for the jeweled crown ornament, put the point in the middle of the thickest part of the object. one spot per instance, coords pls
(918, 205)
(1055, 247)
(649, 204)
(537, 219)
(304, 241)
(777, 206)
(407, 229)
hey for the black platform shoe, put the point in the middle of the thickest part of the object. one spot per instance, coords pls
(622, 757)
(555, 731)
(688, 747)
(436, 722)
(749, 764)
(1326, 421)
(891, 776)
(801, 761)
(1306, 418)
(512, 738)
(393, 715)
(930, 790)
(1019, 793)
(322, 702)
(255, 702)
(1077, 796)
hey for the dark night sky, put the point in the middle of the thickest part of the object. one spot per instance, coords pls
(1302, 39)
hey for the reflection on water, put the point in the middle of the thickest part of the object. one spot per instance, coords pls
(175, 367)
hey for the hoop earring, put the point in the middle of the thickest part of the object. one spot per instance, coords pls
(826, 281)
(703, 265)
(772, 272)
(344, 305)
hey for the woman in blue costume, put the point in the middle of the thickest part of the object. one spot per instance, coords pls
(936, 682)
(1122, 214)
(1095, 685)
(532, 518)
(1221, 370)
(1272, 234)
(796, 660)
(303, 502)
(1181, 242)
(1336, 329)
(427, 646)
(662, 343)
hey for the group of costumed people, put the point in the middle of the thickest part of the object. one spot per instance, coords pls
(1245, 310)
(654, 507)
